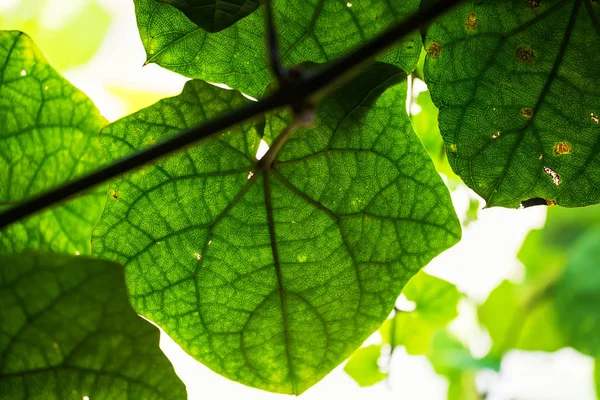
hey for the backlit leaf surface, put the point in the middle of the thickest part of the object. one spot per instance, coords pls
(274, 276)
(517, 87)
(315, 31)
(67, 331)
(48, 135)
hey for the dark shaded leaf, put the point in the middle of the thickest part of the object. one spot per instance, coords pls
(67, 331)
(516, 84)
(214, 15)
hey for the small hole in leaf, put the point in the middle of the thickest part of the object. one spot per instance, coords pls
(496, 135)
(198, 256)
(263, 147)
(250, 175)
(595, 118)
(555, 177)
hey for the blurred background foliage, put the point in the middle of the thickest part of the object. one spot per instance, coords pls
(69, 33)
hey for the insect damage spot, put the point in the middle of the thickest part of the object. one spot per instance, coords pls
(537, 201)
(496, 135)
(561, 148)
(526, 112)
(550, 202)
(555, 177)
(531, 4)
(453, 147)
(525, 55)
(595, 118)
(113, 194)
(434, 50)
(471, 23)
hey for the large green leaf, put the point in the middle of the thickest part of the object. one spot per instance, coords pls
(67, 331)
(272, 276)
(315, 30)
(48, 135)
(363, 367)
(578, 294)
(516, 84)
(435, 306)
(214, 15)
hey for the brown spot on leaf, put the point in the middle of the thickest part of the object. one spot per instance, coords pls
(434, 50)
(525, 55)
(561, 148)
(471, 24)
(531, 4)
(526, 112)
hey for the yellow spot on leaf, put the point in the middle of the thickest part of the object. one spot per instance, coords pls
(561, 148)
(526, 112)
(551, 202)
(302, 258)
(471, 24)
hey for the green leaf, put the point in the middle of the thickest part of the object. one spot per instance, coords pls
(435, 307)
(237, 56)
(68, 332)
(274, 274)
(578, 295)
(214, 15)
(48, 135)
(516, 84)
(515, 315)
(452, 359)
(73, 42)
(363, 367)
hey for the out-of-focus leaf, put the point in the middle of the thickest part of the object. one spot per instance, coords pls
(363, 366)
(472, 213)
(452, 359)
(435, 306)
(308, 31)
(273, 274)
(514, 317)
(48, 135)
(516, 83)
(425, 124)
(597, 376)
(214, 15)
(71, 43)
(578, 294)
(68, 332)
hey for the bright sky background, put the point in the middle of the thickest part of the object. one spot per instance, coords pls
(118, 84)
